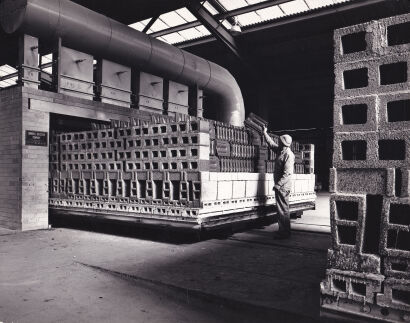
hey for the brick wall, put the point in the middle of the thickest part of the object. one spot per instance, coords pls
(23, 169)
(35, 163)
(10, 158)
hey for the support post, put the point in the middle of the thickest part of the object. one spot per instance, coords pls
(28, 68)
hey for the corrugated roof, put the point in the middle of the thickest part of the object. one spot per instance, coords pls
(7, 70)
(183, 16)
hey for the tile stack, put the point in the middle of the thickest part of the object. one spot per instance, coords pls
(184, 170)
(369, 264)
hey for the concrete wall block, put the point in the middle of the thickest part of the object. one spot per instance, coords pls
(405, 182)
(202, 139)
(371, 150)
(253, 176)
(227, 176)
(392, 31)
(375, 76)
(347, 220)
(209, 191)
(271, 185)
(354, 79)
(395, 227)
(204, 176)
(355, 114)
(352, 261)
(204, 152)
(356, 42)
(239, 189)
(360, 287)
(397, 267)
(298, 186)
(377, 181)
(257, 188)
(252, 188)
(224, 190)
(394, 148)
(393, 73)
(395, 294)
(394, 111)
(355, 150)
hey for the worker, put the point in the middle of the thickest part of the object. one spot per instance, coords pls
(284, 163)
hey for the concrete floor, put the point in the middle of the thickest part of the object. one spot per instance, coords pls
(317, 220)
(121, 274)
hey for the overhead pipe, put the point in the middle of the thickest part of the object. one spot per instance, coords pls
(88, 31)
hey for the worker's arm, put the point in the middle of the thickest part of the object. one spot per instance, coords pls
(287, 171)
(269, 140)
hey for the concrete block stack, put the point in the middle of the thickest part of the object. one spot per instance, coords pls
(181, 169)
(368, 265)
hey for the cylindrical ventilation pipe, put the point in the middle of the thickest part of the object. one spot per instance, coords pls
(88, 31)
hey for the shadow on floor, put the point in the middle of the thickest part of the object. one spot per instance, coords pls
(159, 233)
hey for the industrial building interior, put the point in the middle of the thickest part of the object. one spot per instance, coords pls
(137, 184)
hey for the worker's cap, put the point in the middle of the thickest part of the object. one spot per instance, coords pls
(286, 140)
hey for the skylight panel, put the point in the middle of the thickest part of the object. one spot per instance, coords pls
(313, 4)
(158, 25)
(233, 4)
(7, 70)
(294, 7)
(8, 82)
(249, 18)
(48, 70)
(186, 14)
(140, 25)
(254, 1)
(191, 33)
(227, 24)
(162, 39)
(210, 8)
(173, 38)
(172, 19)
(46, 58)
(203, 30)
(270, 13)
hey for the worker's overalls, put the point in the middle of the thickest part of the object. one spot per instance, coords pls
(284, 164)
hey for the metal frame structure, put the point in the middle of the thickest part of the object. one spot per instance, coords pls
(222, 16)
(285, 20)
(215, 27)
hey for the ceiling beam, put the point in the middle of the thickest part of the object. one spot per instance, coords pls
(9, 76)
(215, 27)
(150, 23)
(342, 7)
(221, 9)
(222, 16)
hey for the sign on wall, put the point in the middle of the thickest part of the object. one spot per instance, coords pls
(36, 138)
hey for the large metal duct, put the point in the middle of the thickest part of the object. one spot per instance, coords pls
(85, 30)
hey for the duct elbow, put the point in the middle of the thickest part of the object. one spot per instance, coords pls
(225, 87)
(93, 33)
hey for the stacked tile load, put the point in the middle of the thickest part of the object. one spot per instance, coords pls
(145, 165)
(181, 169)
(369, 264)
(244, 149)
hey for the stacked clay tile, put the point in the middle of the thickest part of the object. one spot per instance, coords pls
(244, 149)
(180, 168)
(369, 261)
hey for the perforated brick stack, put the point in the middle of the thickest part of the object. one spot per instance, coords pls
(244, 149)
(368, 265)
(186, 171)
